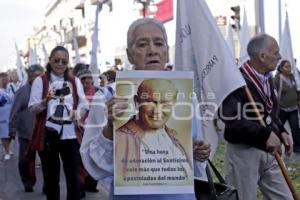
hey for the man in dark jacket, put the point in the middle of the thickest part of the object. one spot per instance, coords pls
(21, 124)
(251, 146)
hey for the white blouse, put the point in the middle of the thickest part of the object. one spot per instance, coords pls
(35, 104)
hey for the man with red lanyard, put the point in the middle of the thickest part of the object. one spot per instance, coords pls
(251, 146)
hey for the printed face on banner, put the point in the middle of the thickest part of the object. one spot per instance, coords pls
(154, 100)
(153, 139)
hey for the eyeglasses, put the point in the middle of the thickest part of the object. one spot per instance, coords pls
(58, 60)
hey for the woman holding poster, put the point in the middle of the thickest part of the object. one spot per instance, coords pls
(147, 49)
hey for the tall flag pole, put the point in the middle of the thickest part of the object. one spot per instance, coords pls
(244, 40)
(230, 40)
(94, 63)
(286, 50)
(20, 67)
(75, 44)
(200, 47)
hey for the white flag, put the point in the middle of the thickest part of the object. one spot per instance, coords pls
(46, 56)
(244, 40)
(230, 40)
(201, 47)
(94, 63)
(32, 57)
(286, 50)
(77, 55)
(22, 75)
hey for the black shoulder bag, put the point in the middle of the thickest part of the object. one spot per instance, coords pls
(208, 190)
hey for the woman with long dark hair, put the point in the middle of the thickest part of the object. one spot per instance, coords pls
(55, 97)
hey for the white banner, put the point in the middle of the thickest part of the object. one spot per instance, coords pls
(22, 75)
(201, 47)
(244, 40)
(32, 57)
(286, 50)
(94, 62)
(76, 49)
(46, 56)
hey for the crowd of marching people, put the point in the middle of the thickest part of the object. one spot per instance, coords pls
(26, 116)
(49, 115)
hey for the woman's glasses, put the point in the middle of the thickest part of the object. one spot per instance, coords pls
(58, 61)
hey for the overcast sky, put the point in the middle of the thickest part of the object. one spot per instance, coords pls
(17, 18)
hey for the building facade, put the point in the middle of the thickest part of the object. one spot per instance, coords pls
(63, 18)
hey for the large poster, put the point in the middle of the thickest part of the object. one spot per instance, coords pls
(153, 138)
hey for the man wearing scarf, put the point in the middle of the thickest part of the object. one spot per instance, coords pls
(251, 146)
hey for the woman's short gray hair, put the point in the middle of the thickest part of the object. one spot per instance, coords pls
(257, 44)
(139, 22)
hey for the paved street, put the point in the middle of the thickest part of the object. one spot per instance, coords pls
(11, 187)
